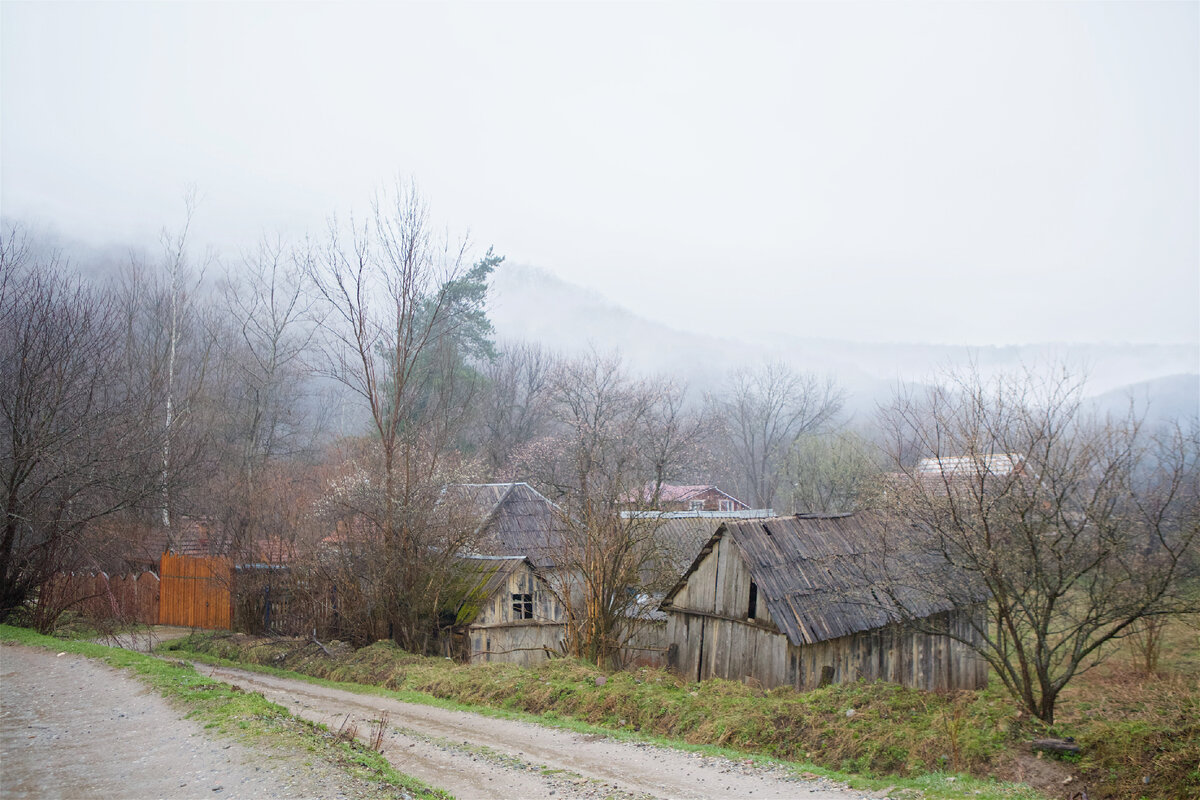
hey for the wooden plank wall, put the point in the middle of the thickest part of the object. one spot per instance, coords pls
(711, 647)
(895, 654)
(196, 592)
(497, 635)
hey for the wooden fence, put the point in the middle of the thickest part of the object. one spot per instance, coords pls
(196, 592)
(272, 599)
(128, 598)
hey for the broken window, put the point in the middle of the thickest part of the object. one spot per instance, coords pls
(752, 608)
(522, 606)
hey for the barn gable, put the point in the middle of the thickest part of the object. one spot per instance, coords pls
(508, 612)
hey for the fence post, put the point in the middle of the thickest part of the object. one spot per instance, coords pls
(267, 608)
(337, 623)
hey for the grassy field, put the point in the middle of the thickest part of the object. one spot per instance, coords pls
(245, 715)
(1140, 734)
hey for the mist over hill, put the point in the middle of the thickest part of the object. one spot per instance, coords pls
(532, 304)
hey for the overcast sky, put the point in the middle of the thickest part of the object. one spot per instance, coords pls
(957, 173)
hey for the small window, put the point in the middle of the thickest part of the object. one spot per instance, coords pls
(727, 505)
(697, 505)
(522, 606)
(752, 606)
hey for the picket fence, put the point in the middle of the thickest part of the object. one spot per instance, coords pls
(128, 598)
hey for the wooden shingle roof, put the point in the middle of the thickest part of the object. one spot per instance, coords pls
(827, 576)
(679, 538)
(512, 519)
(482, 576)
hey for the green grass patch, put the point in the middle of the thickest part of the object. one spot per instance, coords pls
(229, 711)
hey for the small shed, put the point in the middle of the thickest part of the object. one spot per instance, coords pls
(510, 613)
(811, 599)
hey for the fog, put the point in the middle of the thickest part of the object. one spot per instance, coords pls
(970, 174)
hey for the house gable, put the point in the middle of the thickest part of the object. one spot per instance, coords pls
(719, 584)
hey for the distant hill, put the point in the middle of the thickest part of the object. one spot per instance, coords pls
(528, 303)
(1174, 397)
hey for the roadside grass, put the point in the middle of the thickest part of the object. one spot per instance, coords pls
(229, 711)
(1140, 733)
(896, 738)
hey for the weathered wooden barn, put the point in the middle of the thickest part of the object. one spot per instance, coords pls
(510, 613)
(811, 599)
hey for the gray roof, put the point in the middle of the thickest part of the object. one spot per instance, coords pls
(511, 519)
(827, 576)
(679, 538)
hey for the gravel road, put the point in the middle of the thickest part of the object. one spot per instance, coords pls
(474, 756)
(71, 727)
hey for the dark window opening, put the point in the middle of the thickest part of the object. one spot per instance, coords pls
(522, 606)
(752, 610)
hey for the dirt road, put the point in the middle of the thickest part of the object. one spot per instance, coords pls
(71, 727)
(474, 756)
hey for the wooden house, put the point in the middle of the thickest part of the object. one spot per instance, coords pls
(689, 498)
(513, 612)
(510, 519)
(811, 599)
(510, 613)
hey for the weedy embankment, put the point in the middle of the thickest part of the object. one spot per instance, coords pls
(1140, 734)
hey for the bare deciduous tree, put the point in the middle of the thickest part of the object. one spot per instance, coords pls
(764, 412)
(260, 385)
(515, 405)
(404, 309)
(73, 444)
(618, 441)
(1079, 528)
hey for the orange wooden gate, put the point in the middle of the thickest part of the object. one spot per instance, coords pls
(196, 592)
